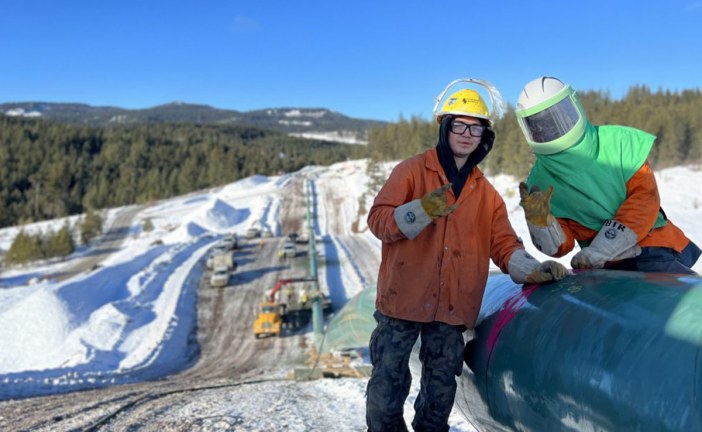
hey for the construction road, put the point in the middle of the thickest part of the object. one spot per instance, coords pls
(228, 352)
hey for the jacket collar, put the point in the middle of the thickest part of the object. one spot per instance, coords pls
(431, 162)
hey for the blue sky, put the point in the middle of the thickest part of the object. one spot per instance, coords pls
(366, 59)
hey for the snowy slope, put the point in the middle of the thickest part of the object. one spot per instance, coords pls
(100, 326)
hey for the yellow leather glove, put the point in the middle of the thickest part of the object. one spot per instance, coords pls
(435, 203)
(536, 204)
(548, 271)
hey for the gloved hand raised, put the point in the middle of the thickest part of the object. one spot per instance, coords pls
(536, 204)
(548, 271)
(435, 203)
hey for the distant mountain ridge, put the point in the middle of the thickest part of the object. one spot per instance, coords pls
(319, 123)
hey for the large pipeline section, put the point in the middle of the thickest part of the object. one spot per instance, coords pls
(598, 351)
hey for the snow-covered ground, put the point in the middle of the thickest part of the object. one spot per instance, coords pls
(134, 312)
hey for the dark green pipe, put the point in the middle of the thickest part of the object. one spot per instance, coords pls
(317, 312)
(599, 351)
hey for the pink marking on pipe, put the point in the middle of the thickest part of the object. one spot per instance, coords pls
(507, 312)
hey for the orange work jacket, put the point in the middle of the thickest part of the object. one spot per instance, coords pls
(441, 274)
(638, 212)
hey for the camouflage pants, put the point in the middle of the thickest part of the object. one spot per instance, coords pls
(441, 355)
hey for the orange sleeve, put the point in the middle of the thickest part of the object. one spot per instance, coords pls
(639, 210)
(397, 190)
(504, 241)
(570, 231)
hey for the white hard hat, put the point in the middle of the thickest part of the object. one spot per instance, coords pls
(550, 115)
(539, 90)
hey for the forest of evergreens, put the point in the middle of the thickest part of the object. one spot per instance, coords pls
(50, 170)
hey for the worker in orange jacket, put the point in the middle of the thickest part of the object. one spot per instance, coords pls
(440, 222)
(592, 184)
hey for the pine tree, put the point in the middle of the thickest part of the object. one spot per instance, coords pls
(24, 248)
(60, 244)
(91, 226)
(148, 225)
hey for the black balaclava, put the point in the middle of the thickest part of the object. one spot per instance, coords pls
(443, 148)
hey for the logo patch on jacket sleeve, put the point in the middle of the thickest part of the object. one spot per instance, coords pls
(410, 217)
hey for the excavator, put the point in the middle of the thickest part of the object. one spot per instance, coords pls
(273, 314)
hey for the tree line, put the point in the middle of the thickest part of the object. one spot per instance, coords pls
(674, 117)
(51, 170)
(28, 247)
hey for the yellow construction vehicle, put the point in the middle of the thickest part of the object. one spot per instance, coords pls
(269, 321)
(272, 313)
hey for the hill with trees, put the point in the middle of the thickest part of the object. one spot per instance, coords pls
(286, 120)
(51, 170)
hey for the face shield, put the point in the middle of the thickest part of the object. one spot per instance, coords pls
(553, 126)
